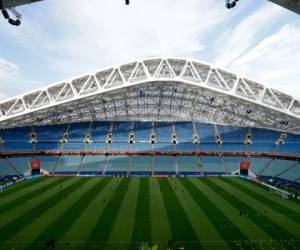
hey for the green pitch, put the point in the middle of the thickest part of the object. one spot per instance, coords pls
(150, 213)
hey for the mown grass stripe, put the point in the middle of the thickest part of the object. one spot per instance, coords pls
(231, 233)
(276, 231)
(142, 221)
(88, 218)
(291, 203)
(28, 196)
(121, 232)
(160, 228)
(20, 186)
(22, 221)
(289, 213)
(181, 228)
(103, 227)
(10, 215)
(60, 226)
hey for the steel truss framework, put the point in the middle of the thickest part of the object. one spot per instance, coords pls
(156, 89)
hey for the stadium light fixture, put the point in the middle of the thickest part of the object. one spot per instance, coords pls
(230, 3)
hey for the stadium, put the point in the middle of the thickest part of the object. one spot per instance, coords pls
(159, 153)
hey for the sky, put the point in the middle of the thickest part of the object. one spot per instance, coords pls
(61, 39)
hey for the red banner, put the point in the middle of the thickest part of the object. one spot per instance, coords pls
(245, 165)
(35, 164)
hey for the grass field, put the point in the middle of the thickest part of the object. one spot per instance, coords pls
(122, 213)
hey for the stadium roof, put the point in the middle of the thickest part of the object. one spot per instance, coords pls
(156, 89)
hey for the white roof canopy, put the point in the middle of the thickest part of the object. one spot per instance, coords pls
(159, 89)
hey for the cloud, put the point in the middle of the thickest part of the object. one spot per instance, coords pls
(103, 33)
(62, 39)
(275, 60)
(8, 70)
(236, 41)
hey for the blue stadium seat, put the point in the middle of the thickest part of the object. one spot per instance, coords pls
(264, 135)
(117, 163)
(165, 164)
(211, 164)
(48, 162)
(97, 146)
(206, 132)
(293, 138)
(233, 163)
(209, 146)
(119, 146)
(18, 146)
(258, 164)
(93, 163)
(77, 131)
(68, 163)
(121, 131)
(232, 134)
(100, 131)
(21, 164)
(184, 131)
(276, 167)
(289, 148)
(46, 145)
(188, 164)
(139, 146)
(74, 146)
(12, 134)
(142, 131)
(141, 164)
(164, 146)
(234, 147)
(188, 146)
(163, 131)
(262, 147)
(5, 168)
(50, 133)
(292, 174)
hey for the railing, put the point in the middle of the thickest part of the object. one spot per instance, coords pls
(295, 157)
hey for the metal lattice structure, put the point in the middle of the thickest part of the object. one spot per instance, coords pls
(159, 89)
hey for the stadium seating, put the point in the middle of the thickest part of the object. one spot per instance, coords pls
(234, 146)
(258, 164)
(117, 164)
(276, 167)
(232, 134)
(6, 169)
(188, 164)
(264, 135)
(141, 164)
(10, 145)
(233, 140)
(16, 134)
(206, 132)
(68, 164)
(121, 131)
(77, 131)
(163, 131)
(142, 131)
(289, 148)
(50, 133)
(211, 165)
(233, 163)
(20, 164)
(164, 164)
(100, 131)
(184, 131)
(93, 164)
